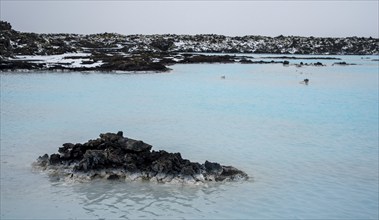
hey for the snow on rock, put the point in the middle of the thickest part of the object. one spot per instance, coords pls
(19, 43)
(115, 52)
(68, 60)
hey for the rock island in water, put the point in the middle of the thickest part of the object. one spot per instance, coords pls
(113, 156)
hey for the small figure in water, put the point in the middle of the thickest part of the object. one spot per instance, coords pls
(306, 81)
(222, 77)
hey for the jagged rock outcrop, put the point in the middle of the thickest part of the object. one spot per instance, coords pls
(113, 156)
(162, 44)
(45, 44)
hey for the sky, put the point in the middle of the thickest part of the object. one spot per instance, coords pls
(318, 18)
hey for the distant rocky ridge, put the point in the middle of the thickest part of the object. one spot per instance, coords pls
(155, 52)
(113, 156)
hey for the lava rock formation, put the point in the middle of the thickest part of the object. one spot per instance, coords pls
(113, 156)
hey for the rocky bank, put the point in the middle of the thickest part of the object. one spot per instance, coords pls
(113, 156)
(111, 51)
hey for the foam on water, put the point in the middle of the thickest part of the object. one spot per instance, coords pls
(312, 151)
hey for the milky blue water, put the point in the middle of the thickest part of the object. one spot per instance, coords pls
(311, 150)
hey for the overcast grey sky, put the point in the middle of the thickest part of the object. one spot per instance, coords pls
(233, 18)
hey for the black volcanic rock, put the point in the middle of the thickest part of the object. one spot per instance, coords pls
(5, 26)
(343, 63)
(246, 61)
(55, 159)
(138, 62)
(17, 65)
(113, 156)
(208, 59)
(116, 52)
(162, 44)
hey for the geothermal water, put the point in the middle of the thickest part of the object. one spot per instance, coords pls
(311, 151)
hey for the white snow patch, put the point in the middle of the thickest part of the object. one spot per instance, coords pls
(155, 60)
(61, 59)
(179, 44)
(177, 59)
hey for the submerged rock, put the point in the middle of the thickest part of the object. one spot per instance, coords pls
(343, 63)
(208, 59)
(113, 157)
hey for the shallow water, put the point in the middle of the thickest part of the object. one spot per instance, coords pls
(311, 150)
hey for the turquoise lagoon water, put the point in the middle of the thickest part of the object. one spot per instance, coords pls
(311, 150)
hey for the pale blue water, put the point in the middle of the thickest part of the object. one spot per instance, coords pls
(311, 151)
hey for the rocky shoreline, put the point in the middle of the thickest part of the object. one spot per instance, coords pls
(113, 156)
(116, 52)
